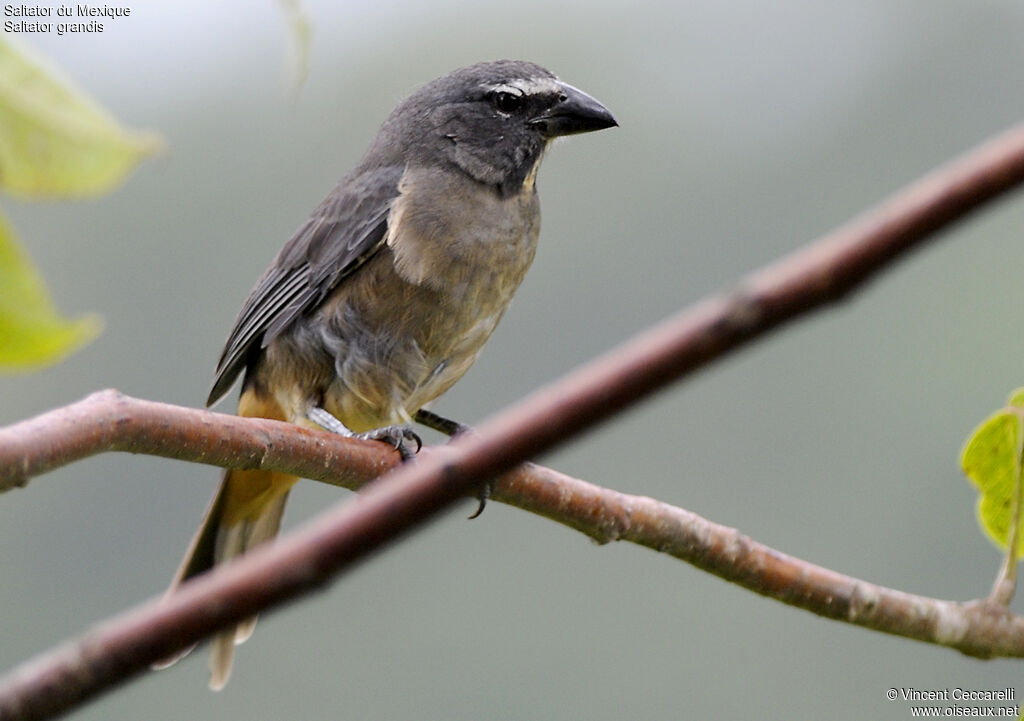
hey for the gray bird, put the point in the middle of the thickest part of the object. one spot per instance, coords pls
(386, 295)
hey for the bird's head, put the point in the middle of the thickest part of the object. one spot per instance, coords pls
(490, 120)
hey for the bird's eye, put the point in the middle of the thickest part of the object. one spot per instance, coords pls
(507, 102)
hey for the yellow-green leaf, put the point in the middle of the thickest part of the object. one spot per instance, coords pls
(54, 140)
(991, 458)
(32, 334)
(1016, 399)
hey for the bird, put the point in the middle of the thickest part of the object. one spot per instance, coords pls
(385, 296)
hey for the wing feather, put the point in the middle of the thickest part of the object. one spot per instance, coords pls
(344, 231)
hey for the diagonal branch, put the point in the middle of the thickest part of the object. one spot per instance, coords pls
(821, 273)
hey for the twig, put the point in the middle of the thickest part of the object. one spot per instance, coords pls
(1006, 579)
(822, 273)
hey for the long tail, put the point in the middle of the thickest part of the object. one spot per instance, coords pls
(245, 513)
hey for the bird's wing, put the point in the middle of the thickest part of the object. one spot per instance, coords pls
(344, 231)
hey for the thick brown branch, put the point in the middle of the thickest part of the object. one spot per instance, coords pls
(109, 421)
(808, 279)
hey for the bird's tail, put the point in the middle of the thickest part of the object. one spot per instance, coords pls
(245, 512)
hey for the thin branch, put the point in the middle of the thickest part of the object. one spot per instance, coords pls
(977, 628)
(822, 273)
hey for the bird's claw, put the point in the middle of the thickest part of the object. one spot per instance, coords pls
(482, 495)
(399, 437)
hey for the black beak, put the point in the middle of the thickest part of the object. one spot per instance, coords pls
(573, 112)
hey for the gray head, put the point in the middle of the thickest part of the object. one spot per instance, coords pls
(490, 120)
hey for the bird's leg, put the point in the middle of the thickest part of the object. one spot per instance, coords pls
(400, 437)
(453, 428)
(440, 423)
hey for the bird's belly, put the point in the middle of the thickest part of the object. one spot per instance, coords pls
(387, 380)
(446, 370)
(390, 359)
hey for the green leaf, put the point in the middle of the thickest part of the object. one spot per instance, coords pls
(991, 458)
(32, 334)
(1016, 399)
(54, 140)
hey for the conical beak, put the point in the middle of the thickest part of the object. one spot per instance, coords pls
(574, 112)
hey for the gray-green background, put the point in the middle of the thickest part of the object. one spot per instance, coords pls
(747, 129)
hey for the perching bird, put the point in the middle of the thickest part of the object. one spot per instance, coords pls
(385, 296)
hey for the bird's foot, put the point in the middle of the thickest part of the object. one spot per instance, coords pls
(401, 438)
(453, 428)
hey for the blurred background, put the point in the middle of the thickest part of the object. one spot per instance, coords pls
(747, 129)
